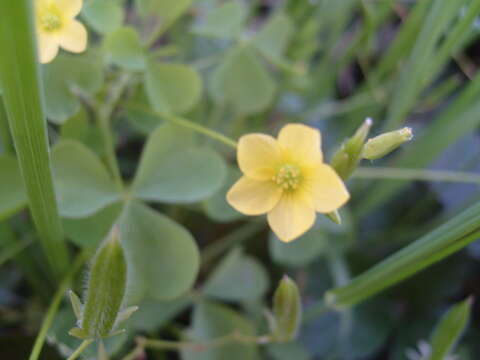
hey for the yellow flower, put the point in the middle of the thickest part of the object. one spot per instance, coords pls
(57, 27)
(287, 179)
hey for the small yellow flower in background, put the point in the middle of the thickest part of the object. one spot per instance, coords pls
(287, 179)
(57, 27)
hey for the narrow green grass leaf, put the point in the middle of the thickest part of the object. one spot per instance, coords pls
(410, 82)
(12, 192)
(19, 75)
(450, 329)
(431, 248)
(6, 145)
(404, 40)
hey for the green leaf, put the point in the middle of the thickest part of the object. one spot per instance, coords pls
(20, 78)
(238, 278)
(172, 88)
(81, 129)
(302, 251)
(83, 184)
(162, 256)
(154, 314)
(449, 330)
(12, 191)
(272, 40)
(65, 74)
(445, 240)
(104, 16)
(288, 351)
(243, 82)
(212, 320)
(173, 174)
(124, 49)
(224, 21)
(216, 206)
(91, 230)
(168, 10)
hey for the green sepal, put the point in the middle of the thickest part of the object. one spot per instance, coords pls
(76, 304)
(125, 314)
(335, 217)
(346, 159)
(78, 333)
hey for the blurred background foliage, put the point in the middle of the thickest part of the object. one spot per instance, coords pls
(154, 69)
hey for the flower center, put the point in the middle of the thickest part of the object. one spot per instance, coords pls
(50, 20)
(288, 177)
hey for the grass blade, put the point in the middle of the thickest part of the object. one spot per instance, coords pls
(410, 81)
(436, 245)
(19, 75)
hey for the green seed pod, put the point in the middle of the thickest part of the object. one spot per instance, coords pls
(345, 159)
(287, 310)
(105, 289)
(382, 145)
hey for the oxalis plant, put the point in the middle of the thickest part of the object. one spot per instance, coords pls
(200, 179)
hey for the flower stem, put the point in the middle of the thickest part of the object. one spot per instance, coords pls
(186, 123)
(416, 174)
(80, 349)
(236, 237)
(52, 309)
(104, 115)
(235, 337)
(201, 129)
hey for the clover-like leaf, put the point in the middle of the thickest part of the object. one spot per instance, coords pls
(242, 81)
(123, 48)
(162, 256)
(172, 88)
(82, 182)
(172, 175)
(63, 76)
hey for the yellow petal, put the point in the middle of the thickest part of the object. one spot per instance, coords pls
(302, 143)
(258, 156)
(327, 190)
(253, 197)
(73, 37)
(70, 8)
(292, 217)
(47, 48)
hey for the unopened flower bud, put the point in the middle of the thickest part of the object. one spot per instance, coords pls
(105, 294)
(346, 159)
(287, 310)
(382, 145)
